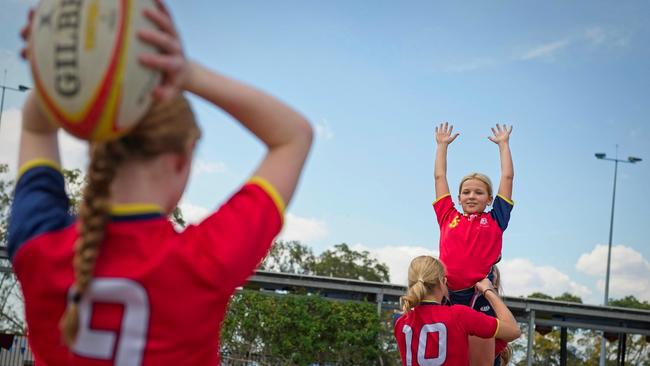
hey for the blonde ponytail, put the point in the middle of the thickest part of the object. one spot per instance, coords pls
(425, 273)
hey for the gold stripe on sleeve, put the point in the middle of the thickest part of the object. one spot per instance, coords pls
(36, 163)
(271, 191)
(511, 202)
(497, 330)
(441, 197)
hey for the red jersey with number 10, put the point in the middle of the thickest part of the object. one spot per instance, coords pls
(158, 296)
(433, 334)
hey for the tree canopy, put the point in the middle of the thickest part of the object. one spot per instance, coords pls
(341, 261)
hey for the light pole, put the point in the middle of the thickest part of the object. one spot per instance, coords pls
(616, 160)
(21, 88)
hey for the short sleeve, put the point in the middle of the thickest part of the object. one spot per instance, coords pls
(501, 211)
(475, 322)
(444, 207)
(238, 236)
(40, 204)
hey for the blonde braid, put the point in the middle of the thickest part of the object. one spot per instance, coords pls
(167, 127)
(94, 214)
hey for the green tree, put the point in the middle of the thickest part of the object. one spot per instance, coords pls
(630, 302)
(546, 346)
(11, 310)
(583, 346)
(75, 180)
(289, 257)
(342, 262)
(638, 349)
(568, 298)
(301, 330)
(177, 217)
(540, 295)
(347, 263)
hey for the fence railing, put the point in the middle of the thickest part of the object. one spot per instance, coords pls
(14, 351)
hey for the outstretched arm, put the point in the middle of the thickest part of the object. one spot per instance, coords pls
(501, 137)
(284, 131)
(508, 329)
(444, 137)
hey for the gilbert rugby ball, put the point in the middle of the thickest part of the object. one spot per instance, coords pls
(84, 61)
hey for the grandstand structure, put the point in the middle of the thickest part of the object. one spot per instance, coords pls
(536, 313)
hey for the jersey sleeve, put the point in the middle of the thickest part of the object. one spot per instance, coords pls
(238, 235)
(40, 204)
(501, 211)
(475, 322)
(444, 208)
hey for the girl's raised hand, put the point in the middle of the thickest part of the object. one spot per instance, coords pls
(501, 134)
(444, 134)
(171, 61)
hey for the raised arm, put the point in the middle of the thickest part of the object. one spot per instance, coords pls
(508, 329)
(444, 137)
(285, 132)
(38, 137)
(501, 137)
(287, 135)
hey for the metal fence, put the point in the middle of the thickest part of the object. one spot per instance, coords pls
(18, 353)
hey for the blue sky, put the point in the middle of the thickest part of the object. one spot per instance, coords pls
(375, 77)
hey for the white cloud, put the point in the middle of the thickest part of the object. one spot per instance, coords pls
(545, 51)
(303, 229)
(295, 227)
(594, 36)
(200, 166)
(324, 131)
(397, 257)
(521, 277)
(193, 214)
(74, 152)
(599, 36)
(630, 272)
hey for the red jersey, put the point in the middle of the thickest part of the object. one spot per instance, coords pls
(158, 296)
(470, 244)
(432, 334)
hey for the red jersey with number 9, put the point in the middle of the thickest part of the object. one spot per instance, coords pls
(158, 296)
(433, 334)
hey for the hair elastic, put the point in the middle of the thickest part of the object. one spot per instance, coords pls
(74, 297)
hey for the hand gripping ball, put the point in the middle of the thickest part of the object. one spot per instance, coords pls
(84, 61)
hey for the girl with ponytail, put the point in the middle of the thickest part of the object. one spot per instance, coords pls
(429, 333)
(118, 284)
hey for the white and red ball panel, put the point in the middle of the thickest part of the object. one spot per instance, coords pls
(85, 68)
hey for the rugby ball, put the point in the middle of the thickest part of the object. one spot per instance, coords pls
(84, 62)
